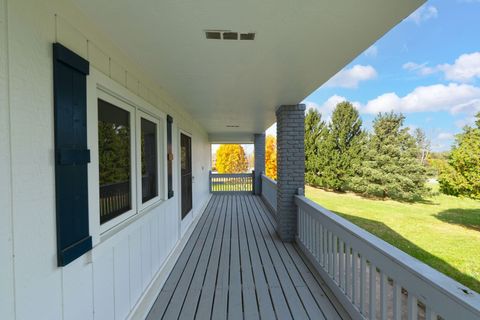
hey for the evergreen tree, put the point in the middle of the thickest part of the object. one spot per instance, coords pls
(391, 167)
(461, 175)
(342, 148)
(314, 139)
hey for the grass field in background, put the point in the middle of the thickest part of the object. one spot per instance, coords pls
(442, 231)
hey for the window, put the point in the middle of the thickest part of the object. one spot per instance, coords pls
(114, 152)
(149, 159)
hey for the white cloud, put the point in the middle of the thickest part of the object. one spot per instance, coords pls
(371, 52)
(329, 105)
(445, 136)
(350, 78)
(453, 97)
(423, 13)
(465, 68)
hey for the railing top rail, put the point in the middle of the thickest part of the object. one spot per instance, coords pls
(391, 259)
(231, 175)
(268, 179)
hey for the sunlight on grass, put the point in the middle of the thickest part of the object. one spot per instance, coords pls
(443, 231)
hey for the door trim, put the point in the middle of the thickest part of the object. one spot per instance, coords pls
(189, 217)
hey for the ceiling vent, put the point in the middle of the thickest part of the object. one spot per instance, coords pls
(232, 126)
(229, 35)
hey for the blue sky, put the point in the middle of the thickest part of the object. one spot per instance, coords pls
(427, 67)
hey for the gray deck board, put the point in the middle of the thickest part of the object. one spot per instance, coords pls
(234, 266)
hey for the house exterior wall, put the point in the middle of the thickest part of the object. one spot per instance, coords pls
(124, 271)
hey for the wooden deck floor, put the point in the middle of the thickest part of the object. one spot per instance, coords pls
(234, 266)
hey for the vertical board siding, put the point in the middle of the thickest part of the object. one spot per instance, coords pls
(98, 288)
(103, 287)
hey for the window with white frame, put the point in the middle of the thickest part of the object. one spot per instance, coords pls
(114, 153)
(129, 159)
(148, 132)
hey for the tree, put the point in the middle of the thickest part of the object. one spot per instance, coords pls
(314, 135)
(231, 159)
(461, 175)
(271, 157)
(343, 147)
(423, 145)
(391, 167)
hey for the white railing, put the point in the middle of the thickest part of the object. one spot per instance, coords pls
(269, 192)
(373, 279)
(231, 182)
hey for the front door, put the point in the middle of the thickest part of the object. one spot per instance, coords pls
(186, 172)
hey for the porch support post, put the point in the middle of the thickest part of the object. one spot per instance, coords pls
(259, 140)
(290, 166)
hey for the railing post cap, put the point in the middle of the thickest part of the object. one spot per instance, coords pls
(300, 192)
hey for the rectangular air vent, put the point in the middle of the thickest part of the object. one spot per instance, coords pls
(213, 35)
(232, 126)
(229, 35)
(247, 36)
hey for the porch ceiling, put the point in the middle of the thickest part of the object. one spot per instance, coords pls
(298, 46)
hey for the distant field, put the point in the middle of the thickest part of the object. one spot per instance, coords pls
(443, 231)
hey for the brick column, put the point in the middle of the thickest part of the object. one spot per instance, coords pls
(290, 166)
(259, 140)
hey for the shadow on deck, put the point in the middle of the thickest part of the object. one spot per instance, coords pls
(234, 266)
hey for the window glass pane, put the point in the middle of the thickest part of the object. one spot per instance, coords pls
(149, 160)
(114, 160)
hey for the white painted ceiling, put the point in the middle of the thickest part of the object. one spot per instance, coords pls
(298, 46)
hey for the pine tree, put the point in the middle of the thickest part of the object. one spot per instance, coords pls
(391, 167)
(461, 175)
(343, 147)
(314, 138)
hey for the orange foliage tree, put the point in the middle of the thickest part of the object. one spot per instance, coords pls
(230, 158)
(271, 157)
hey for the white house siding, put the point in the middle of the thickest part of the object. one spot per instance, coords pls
(108, 282)
(6, 263)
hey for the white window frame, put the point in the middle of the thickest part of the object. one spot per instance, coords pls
(160, 160)
(133, 160)
(100, 84)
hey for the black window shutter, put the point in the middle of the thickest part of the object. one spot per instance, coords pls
(71, 154)
(169, 156)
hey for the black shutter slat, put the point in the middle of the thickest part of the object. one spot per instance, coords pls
(169, 157)
(71, 154)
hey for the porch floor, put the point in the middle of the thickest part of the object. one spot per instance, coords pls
(235, 266)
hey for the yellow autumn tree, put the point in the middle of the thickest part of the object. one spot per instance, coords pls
(230, 158)
(271, 157)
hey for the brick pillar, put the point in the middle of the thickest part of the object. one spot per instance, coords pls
(290, 166)
(259, 140)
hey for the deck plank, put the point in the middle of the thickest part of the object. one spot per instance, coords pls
(234, 266)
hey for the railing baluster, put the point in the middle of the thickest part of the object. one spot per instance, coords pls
(383, 295)
(412, 307)
(354, 277)
(330, 254)
(348, 271)
(325, 248)
(397, 301)
(322, 257)
(430, 314)
(335, 258)
(363, 282)
(341, 272)
(373, 292)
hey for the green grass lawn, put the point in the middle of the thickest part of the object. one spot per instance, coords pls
(442, 231)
